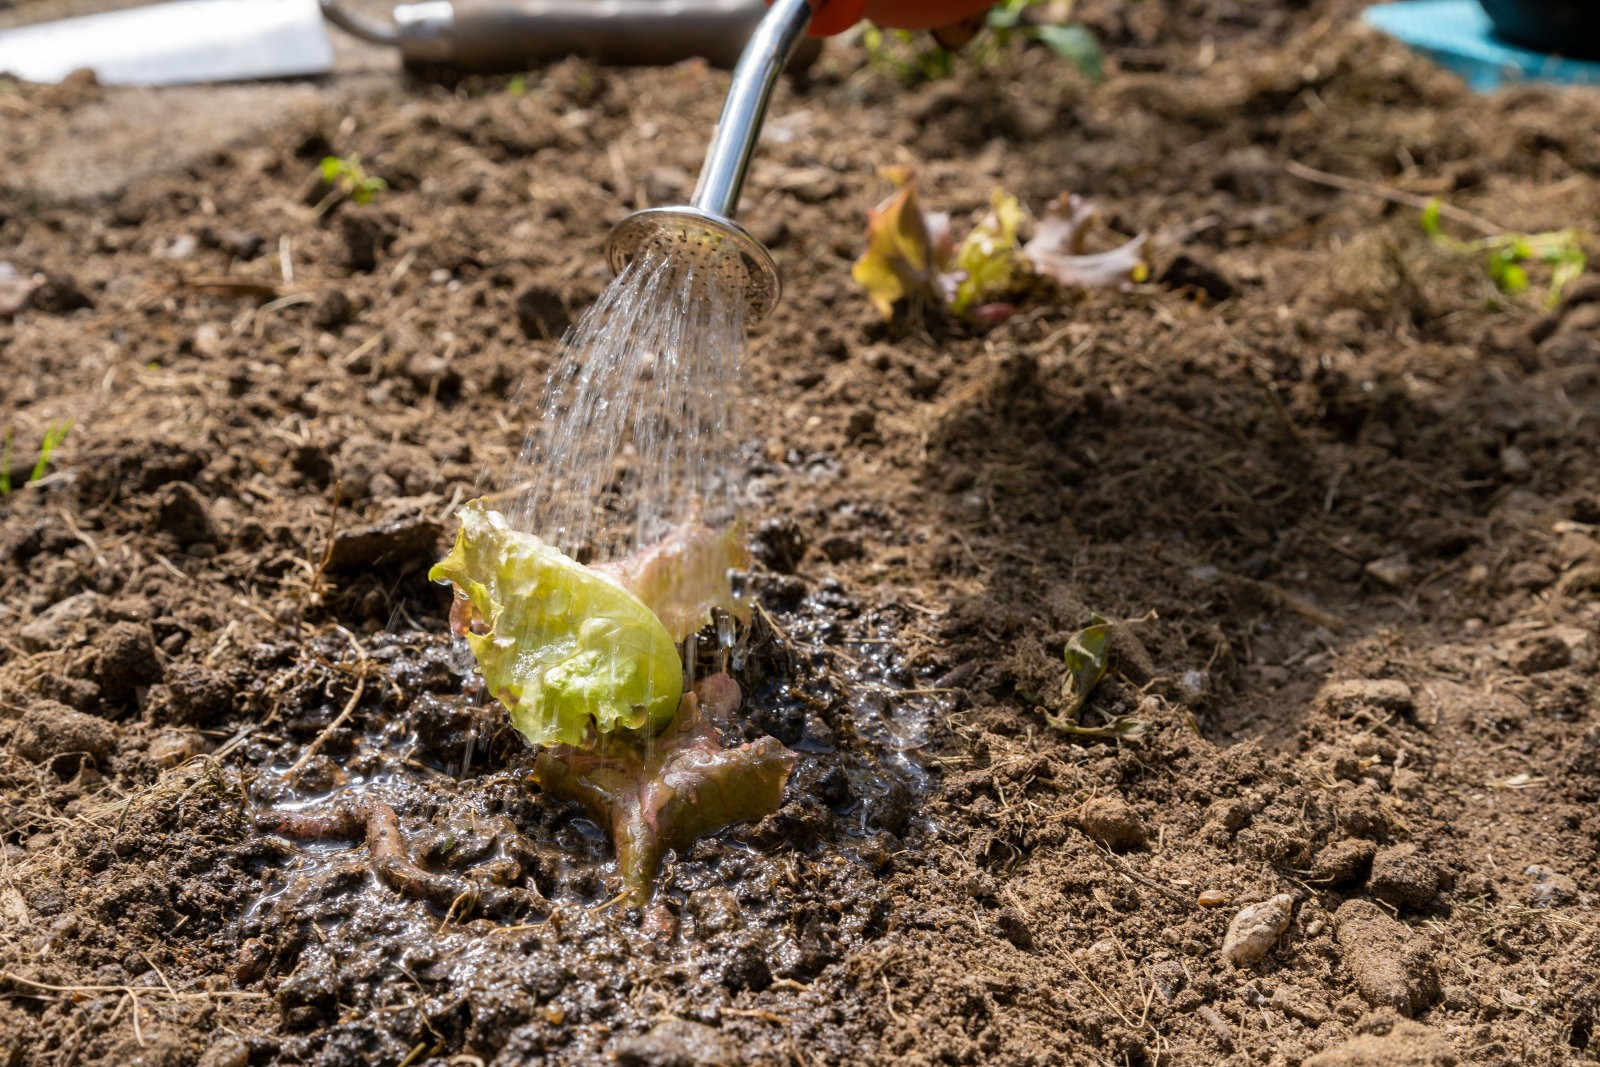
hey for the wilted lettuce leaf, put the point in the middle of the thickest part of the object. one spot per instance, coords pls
(684, 577)
(1056, 251)
(910, 253)
(571, 653)
(900, 258)
(987, 262)
(663, 793)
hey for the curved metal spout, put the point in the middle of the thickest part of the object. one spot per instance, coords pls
(706, 226)
(728, 158)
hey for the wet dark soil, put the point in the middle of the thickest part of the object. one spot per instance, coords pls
(1339, 496)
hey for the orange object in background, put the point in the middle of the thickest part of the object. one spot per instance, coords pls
(836, 16)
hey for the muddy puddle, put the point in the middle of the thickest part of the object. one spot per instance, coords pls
(418, 889)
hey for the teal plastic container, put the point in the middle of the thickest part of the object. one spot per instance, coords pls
(1458, 35)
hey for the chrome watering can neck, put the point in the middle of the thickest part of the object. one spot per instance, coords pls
(705, 227)
(728, 157)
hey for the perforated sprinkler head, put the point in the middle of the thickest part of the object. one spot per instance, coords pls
(714, 243)
(705, 228)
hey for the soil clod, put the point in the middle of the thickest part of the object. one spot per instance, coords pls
(1392, 965)
(1111, 821)
(1403, 876)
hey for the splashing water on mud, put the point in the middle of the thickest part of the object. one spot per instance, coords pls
(636, 434)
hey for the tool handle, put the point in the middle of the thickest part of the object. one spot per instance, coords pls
(488, 35)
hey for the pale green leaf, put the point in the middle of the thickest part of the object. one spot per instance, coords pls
(988, 261)
(571, 653)
(1430, 218)
(1076, 45)
(1087, 653)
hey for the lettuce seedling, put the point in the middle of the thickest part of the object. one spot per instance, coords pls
(987, 261)
(902, 259)
(1505, 255)
(586, 661)
(910, 254)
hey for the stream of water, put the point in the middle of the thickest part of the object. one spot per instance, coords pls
(636, 433)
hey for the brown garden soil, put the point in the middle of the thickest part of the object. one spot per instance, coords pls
(1341, 499)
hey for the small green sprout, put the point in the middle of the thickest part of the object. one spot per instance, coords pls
(1505, 255)
(54, 435)
(904, 53)
(350, 178)
(899, 52)
(1088, 654)
(1072, 41)
(517, 86)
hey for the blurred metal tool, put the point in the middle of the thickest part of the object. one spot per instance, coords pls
(175, 43)
(237, 40)
(704, 227)
(510, 34)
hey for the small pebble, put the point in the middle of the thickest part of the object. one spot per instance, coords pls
(1256, 929)
(180, 247)
(208, 339)
(1514, 462)
(1392, 571)
(1192, 686)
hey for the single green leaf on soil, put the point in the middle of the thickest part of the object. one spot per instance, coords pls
(1087, 654)
(572, 654)
(663, 793)
(1077, 45)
